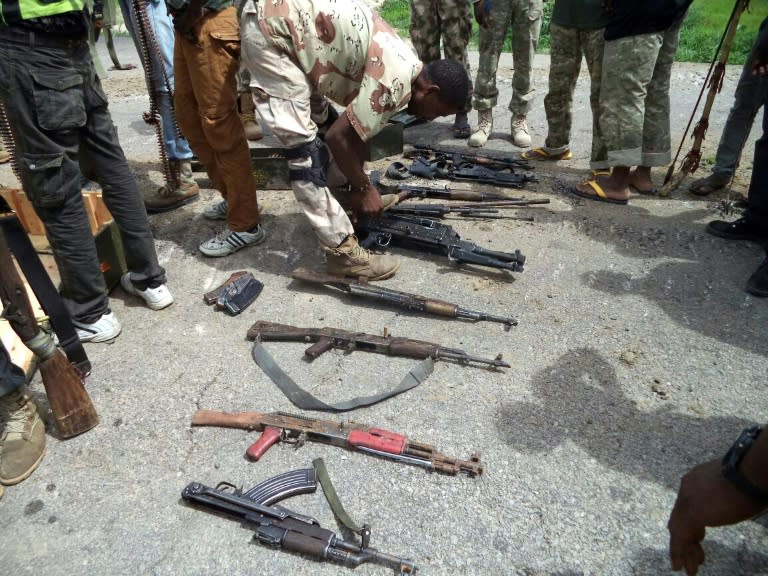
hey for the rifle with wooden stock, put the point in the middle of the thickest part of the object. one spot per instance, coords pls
(402, 299)
(326, 338)
(294, 429)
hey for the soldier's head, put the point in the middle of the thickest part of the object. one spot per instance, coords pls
(441, 89)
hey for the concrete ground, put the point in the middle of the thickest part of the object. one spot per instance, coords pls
(637, 355)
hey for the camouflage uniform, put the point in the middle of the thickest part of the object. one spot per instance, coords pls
(568, 45)
(523, 17)
(299, 49)
(449, 19)
(634, 101)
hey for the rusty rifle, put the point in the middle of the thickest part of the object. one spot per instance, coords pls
(291, 428)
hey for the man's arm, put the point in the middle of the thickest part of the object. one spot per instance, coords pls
(350, 154)
(707, 498)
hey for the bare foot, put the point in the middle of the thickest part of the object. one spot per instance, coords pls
(640, 180)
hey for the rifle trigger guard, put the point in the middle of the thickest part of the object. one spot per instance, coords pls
(384, 239)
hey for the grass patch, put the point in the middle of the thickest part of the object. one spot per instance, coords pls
(700, 35)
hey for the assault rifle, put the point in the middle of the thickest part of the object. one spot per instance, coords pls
(279, 527)
(425, 234)
(401, 299)
(290, 428)
(423, 151)
(405, 191)
(326, 338)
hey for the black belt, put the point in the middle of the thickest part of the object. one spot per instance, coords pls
(34, 38)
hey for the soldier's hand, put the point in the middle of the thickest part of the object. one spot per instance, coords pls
(482, 10)
(367, 203)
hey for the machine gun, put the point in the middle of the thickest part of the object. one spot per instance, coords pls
(281, 528)
(401, 299)
(290, 428)
(432, 236)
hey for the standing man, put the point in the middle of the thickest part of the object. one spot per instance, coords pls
(576, 29)
(206, 61)
(641, 40)
(451, 22)
(523, 18)
(182, 188)
(753, 225)
(59, 119)
(302, 53)
(749, 97)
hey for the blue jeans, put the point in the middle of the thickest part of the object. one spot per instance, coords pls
(176, 146)
(11, 376)
(749, 97)
(59, 119)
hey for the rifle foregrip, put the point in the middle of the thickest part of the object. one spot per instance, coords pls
(268, 438)
(440, 308)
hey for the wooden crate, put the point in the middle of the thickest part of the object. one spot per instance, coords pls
(98, 214)
(100, 219)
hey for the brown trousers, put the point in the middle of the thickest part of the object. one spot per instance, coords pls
(206, 110)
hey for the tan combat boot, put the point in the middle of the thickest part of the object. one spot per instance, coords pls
(248, 116)
(484, 128)
(519, 130)
(22, 443)
(351, 259)
(170, 198)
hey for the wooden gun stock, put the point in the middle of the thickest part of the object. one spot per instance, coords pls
(71, 405)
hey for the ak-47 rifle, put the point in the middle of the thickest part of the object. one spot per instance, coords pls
(291, 428)
(326, 338)
(405, 191)
(430, 235)
(422, 151)
(401, 299)
(278, 527)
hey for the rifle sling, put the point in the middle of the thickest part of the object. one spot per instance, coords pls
(321, 473)
(43, 287)
(304, 400)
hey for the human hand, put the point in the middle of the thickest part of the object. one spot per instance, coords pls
(704, 499)
(366, 203)
(185, 23)
(482, 10)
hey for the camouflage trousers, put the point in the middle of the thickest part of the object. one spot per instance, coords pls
(523, 18)
(449, 20)
(634, 98)
(568, 46)
(283, 97)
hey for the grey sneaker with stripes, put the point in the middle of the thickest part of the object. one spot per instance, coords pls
(229, 242)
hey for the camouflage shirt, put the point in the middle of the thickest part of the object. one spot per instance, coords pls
(349, 54)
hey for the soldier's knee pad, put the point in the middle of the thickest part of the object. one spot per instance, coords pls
(317, 151)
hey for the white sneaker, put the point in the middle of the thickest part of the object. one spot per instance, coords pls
(229, 242)
(104, 329)
(519, 129)
(156, 298)
(216, 211)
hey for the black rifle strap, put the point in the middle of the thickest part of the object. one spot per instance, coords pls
(42, 286)
(304, 400)
(321, 472)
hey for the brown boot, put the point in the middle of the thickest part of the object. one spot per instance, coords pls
(170, 198)
(351, 259)
(22, 443)
(248, 116)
